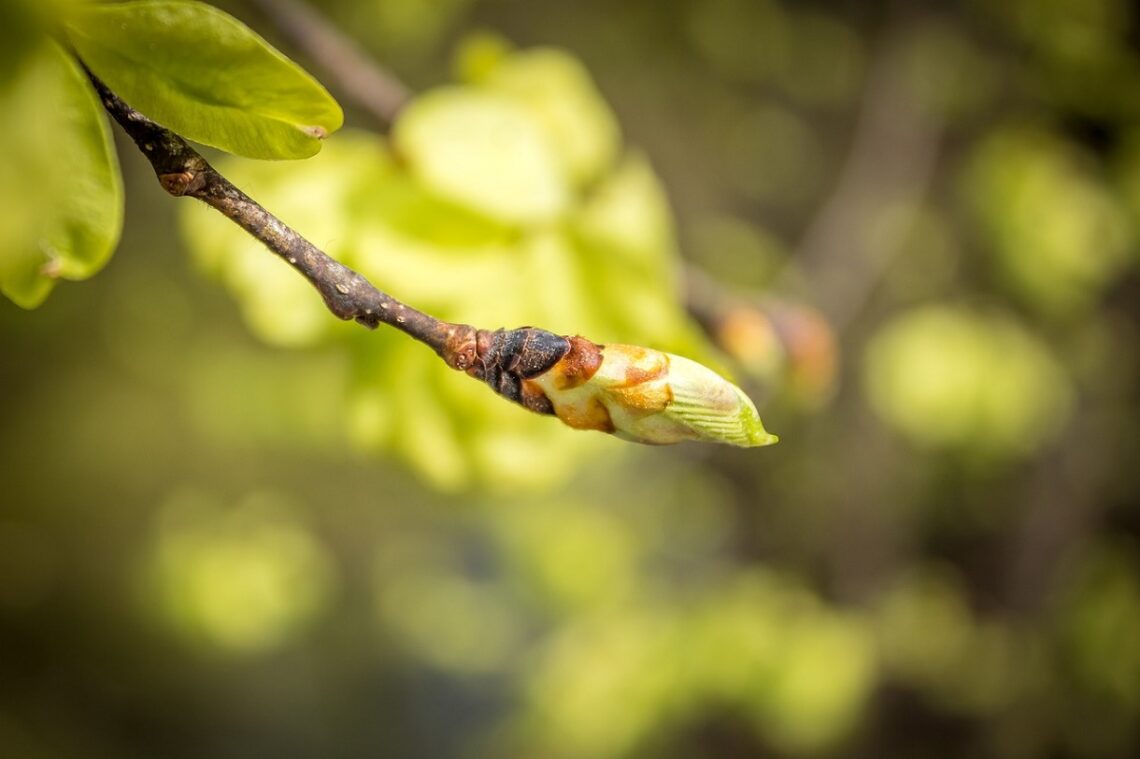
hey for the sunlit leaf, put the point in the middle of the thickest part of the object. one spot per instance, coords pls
(60, 188)
(205, 75)
(483, 150)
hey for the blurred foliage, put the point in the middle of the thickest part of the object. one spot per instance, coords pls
(932, 374)
(1060, 234)
(939, 559)
(479, 212)
(241, 579)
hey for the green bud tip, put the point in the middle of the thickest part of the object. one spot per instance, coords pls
(648, 396)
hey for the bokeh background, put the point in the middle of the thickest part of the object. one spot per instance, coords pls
(230, 526)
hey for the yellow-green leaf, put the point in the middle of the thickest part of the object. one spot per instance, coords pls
(61, 196)
(207, 76)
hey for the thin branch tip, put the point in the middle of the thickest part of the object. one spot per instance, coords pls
(641, 395)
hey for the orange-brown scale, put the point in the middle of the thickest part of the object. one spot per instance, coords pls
(579, 364)
(638, 392)
(636, 375)
(593, 416)
(645, 400)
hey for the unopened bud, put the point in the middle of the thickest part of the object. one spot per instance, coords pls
(635, 393)
(648, 396)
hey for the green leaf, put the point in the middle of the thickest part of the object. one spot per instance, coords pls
(484, 151)
(60, 191)
(205, 75)
(23, 24)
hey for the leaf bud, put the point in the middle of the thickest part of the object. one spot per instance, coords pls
(648, 396)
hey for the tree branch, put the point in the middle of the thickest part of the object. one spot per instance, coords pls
(642, 395)
(364, 81)
(182, 171)
(502, 358)
(892, 160)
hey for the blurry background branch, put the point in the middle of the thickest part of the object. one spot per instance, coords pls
(891, 161)
(369, 86)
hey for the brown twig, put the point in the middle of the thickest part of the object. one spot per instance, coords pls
(504, 359)
(358, 77)
(182, 171)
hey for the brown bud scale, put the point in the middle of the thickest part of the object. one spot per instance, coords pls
(506, 358)
(579, 364)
